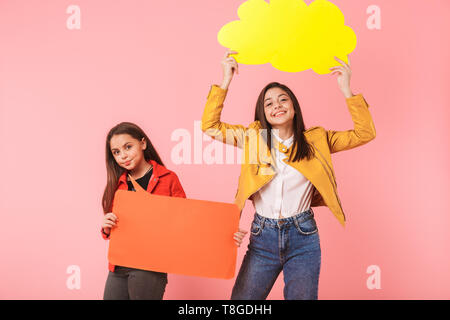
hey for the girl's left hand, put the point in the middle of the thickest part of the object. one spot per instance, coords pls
(345, 73)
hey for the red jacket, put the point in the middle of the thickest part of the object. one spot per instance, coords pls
(162, 182)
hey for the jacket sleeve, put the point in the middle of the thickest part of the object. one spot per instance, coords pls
(176, 190)
(104, 235)
(363, 131)
(211, 124)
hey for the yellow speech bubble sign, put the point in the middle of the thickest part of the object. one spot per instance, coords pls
(289, 34)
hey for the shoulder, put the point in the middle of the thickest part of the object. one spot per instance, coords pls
(315, 130)
(255, 125)
(172, 176)
(167, 175)
(170, 185)
(315, 134)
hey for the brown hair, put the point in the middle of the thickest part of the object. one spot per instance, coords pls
(113, 170)
(304, 149)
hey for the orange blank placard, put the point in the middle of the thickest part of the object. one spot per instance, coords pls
(173, 235)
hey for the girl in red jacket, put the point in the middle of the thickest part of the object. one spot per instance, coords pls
(130, 152)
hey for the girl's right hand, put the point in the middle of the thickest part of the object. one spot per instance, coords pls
(109, 221)
(239, 236)
(229, 66)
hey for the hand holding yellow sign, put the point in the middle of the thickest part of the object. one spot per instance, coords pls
(289, 34)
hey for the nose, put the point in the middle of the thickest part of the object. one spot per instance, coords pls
(276, 107)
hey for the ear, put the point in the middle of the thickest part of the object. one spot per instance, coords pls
(144, 144)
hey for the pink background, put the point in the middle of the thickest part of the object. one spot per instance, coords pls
(153, 64)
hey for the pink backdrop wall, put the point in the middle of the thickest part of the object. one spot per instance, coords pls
(153, 63)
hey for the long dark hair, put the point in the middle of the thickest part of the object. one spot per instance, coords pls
(113, 170)
(300, 146)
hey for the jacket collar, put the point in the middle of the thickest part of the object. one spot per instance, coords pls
(287, 142)
(277, 143)
(158, 171)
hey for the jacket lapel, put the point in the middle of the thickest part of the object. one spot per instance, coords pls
(308, 168)
(158, 171)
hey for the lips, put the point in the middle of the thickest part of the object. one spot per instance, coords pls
(127, 163)
(278, 113)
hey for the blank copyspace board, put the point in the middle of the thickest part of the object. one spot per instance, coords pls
(174, 235)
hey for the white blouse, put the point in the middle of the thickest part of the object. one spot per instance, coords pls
(288, 193)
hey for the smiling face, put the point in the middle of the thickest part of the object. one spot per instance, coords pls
(278, 108)
(127, 151)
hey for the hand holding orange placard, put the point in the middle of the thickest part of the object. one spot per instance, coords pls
(173, 235)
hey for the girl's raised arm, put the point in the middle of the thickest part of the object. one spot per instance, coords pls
(363, 131)
(364, 128)
(211, 124)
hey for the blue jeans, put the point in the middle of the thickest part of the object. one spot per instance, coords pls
(290, 245)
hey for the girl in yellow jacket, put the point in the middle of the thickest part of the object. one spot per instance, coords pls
(286, 170)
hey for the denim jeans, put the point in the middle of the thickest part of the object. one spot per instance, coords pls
(290, 245)
(134, 284)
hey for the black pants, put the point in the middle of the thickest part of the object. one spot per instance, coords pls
(134, 284)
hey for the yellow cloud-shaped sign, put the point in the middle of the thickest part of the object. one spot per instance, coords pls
(289, 34)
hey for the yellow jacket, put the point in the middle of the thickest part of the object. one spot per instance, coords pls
(257, 167)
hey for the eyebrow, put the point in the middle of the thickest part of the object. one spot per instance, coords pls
(122, 146)
(278, 96)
